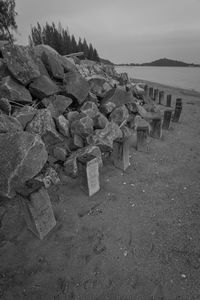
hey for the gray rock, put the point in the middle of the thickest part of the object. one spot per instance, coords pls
(119, 115)
(24, 115)
(5, 106)
(9, 124)
(43, 87)
(44, 125)
(63, 125)
(72, 116)
(100, 121)
(90, 109)
(75, 85)
(14, 91)
(21, 63)
(82, 126)
(59, 153)
(26, 155)
(57, 104)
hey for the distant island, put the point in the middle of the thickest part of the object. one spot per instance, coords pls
(162, 62)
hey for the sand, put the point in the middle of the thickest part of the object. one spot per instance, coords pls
(137, 239)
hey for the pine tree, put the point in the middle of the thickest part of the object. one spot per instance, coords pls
(7, 19)
(85, 48)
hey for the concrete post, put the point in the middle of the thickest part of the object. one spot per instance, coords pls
(142, 134)
(161, 97)
(151, 92)
(167, 119)
(120, 154)
(169, 100)
(156, 128)
(156, 92)
(178, 110)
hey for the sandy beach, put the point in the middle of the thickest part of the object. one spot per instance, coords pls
(138, 238)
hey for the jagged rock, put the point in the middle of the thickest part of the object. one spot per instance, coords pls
(57, 104)
(14, 91)
(119, 115)
(3, 69)
(41, 66)
(104, 137)
(70, 166)
(90, 109)
(63, 125)
(24, 115)
(21, 63)
(44, 125)
(5, 106)
(92, 98)
(43, 87)
(82, 126)
(59, 153)
(9, 124)
(76, 86)
(126, 132)
(49, 177)
(100, 121)
(132, 108)
(114, 98)
(96, 83)
(51, 60)
(72, 116)
(78, 141)
(26, 155)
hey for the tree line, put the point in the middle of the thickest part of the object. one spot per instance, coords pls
(55, 36)
(59, 38)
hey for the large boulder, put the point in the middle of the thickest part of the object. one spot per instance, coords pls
(25, 114)
(76, 86)
(57, 104)
(83, 126)
(43, 87)
(70, 165)
(104, 137)
(9, 124)
(21, 63)
(26, 155)
(98, 85)
(14, 91)
(116, 97)
(119, 115)
(43, 124)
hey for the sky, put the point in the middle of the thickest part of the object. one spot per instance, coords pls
(122, 31)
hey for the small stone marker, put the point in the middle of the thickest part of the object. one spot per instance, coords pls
(155, 96)
(88, 172)
(167, 118)
(161, 97)
(38, 212)
(169, 100)
(156, 128)
(120, 154)
(146, 91)
(178, 110)
(142, 134)
(151, 92)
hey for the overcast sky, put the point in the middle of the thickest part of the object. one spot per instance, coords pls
(122, 30)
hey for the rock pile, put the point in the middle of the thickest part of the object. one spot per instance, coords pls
(55, 109)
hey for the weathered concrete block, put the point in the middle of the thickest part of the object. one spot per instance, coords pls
(156, 128)
(161, 97)
(155, 95)
(178, 110)
(88, 172)
(151, 92)
(120, 154)
(38, 213)
(167, 118)
(142, 134)
(169, 100)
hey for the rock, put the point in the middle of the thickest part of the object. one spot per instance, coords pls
(48, 177)
(100, 121)
(82, 126)
(43, 87)
(5, 106)
(63, 125)
(57, 104)
(9, 124)
(96, 83)
(90, 109)
(114, 98)
(126, 132)
(70, 166)
(14, 91)
(21, 63)
(104, 137)
(41, 66)
(92, 98)
(59, 153)
(44, 125)
(78, 141)
(67, 64)
(26, 155)
(51, 60)
(132, 108)
(24, 115)
(3, 69)
(119, 115)
(76, 86)
(72, 116)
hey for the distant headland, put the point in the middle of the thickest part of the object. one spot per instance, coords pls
(162, 62)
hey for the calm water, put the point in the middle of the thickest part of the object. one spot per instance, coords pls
(187, 78)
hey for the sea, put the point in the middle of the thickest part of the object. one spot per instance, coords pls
(182, 77)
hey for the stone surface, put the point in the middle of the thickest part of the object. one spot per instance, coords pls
(21, 63)
(96, 83)
(5, 106)
(72, 116)
(48, 177)
(57, 104)
(9, 124)
(119, 115)
(120, 154)
(90, 109)
(44, 125)
(43, 87)
(63, 125)
(100, 121)
(14, 91)
(3, 69)
(82, 126)
(59, 153)
(70, 166)
(24, 115)
(76, 86)
(26, 155)
(114, 98)
(104, 137)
